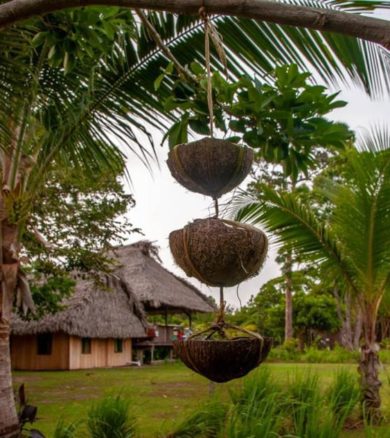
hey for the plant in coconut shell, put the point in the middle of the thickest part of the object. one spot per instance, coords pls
(283, 118)
(217, 252)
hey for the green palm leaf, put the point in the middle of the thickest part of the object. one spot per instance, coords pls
(355, 239)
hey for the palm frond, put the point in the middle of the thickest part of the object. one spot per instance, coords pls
(295, 225)
(362, 215)
(258, 47)
(374, 139)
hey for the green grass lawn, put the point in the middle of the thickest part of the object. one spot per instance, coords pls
(162, 395)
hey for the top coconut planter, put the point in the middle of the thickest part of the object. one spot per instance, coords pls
(210, 166)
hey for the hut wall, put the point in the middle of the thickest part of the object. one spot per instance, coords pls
(119, 359)
(102, 354)
(24, 354)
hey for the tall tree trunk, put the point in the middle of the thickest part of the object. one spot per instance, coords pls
(288, 324)
(345, 334)
(9, 424)
(369, 366)
(357, 332)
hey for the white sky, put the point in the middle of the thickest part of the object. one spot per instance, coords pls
(163, 205)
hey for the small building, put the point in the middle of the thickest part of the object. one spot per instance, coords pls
(159, 290)
(95, 329)
(100, 326)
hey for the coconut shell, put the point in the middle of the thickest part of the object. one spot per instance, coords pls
(223, 360)
(210, 166)
(219, 252)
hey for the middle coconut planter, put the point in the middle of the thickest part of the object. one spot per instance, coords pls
(220, 253)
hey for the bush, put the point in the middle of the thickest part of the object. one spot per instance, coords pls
(64, 430)
(110, 419)
(337, 355)
(205, 422)
(314, 355)
(289, 351)
(257, 408)
(264, 408)
(343, 395)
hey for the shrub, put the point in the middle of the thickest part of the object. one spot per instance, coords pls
(264, 408)
(343, 395)
(337, 355)
(205, 422)
(257, 408)
(64, 430)
(110, 418)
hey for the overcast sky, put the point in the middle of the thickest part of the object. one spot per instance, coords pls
(163, 205)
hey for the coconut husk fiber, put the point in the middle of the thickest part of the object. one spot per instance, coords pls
(210, 166)
(223, 360)
(219, 252)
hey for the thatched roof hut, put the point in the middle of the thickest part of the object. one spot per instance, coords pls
(98, 324)
(157, 288)
(110, 311)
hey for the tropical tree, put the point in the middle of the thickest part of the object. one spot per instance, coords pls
(46, 124)
(353, 245)
(74, 221)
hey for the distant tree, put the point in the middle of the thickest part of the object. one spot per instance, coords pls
(74, 221)
(316, 309)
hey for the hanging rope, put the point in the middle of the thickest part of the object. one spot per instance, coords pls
(208, 30)
(221, 316)
(205, 18)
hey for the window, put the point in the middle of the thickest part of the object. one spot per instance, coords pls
(118, 345)
(85, 345)
(44, 344)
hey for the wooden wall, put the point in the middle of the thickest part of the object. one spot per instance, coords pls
(66, 354)
(24, 353)
(102, 354)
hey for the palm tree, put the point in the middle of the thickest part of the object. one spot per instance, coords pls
(352, 244)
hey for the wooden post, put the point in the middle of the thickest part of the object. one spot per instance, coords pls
(166, 325)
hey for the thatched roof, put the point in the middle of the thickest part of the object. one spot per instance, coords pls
(93, 312)
(153, 285)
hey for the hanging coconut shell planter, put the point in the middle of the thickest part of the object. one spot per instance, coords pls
(210, 166)
(219, 252)
(223, 359)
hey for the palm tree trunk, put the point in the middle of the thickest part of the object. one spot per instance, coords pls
(9, 264)
(369, 366)
(370, 383)
(9, 424)
(345, 333)
(288, 325)
(357, 333)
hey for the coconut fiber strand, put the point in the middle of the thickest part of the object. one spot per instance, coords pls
(210, 166)
(219, 252)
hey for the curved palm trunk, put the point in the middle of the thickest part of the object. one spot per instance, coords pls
(369, 366)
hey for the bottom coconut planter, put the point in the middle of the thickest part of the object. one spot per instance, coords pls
(221, 360)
